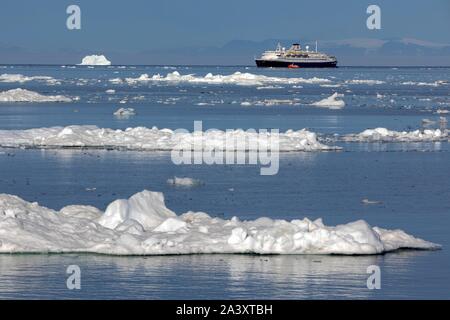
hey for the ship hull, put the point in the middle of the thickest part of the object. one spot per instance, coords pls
(285, 64)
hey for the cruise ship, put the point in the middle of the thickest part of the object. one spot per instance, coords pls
(296, 57)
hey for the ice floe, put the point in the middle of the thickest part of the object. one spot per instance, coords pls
(19, 78)
(386, 135)
(143, 225)
(95, 60)
(332, 102)
(183, 182)
(272, 102)
(237, 78)
(364, 81)
(124, 113)
(421, 84)
(154, 139)
(23, 95)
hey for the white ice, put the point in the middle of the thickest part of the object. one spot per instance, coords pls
(332, 102)
(95, 60)
(386, 135)
(23, 95)
(143, 225)
(124, 112)
(152, 139)
(237, 78)
(364, 81)
(183, 182)
(12, 78)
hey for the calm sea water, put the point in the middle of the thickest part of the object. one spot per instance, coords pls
(411, 181)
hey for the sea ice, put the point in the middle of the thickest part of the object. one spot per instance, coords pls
(154, 139)
(143, 225)
(386, 135)
(11, 78)
(332, 102)
(23, 95)
(236, 78)
(95, 60)
(183, 182)
(124, 112)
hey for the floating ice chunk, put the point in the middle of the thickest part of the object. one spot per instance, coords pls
(332, 102)
(430, 84)
(110, 91)
(271, 102)
(183, 182)
(442, 111)
(385, 135)
(124, 112)
(142, 225)
(367, 201)
(364, 81)
(154, 139)
(236, 78)
(95, 60)
(11, 78)
(22, 95)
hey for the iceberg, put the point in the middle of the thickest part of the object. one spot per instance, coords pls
(386, 135)
(95, 60)
(236, 78)
(23, 95)
(154, 139)
(332, 102)
(143, 225)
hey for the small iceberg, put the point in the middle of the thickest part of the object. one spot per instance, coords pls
(332, 102)
(95, 60)
(386, 135)
(23, 95)
(124, 113)
(183, 182)
(143, 225)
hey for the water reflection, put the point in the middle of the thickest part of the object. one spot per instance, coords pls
(203, 276)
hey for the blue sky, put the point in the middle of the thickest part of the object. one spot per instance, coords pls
(130, 27)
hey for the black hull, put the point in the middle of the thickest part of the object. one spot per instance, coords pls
(286, 64)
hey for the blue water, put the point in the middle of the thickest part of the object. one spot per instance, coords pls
(411, 180)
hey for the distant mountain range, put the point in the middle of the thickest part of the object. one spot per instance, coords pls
(357, 51)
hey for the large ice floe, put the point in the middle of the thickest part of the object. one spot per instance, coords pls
(154, 139)
(95, 60)
(23, 95)
(332, 102)
(237, 78)
(386, 135)
(12, 78)
(143, 225)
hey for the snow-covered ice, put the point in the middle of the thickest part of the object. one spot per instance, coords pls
(153, 139)
(95, 60)
(364, 81)
(386, 135)
(23, 95)
(332, 102)
(237, 78)
(12, 78)
(143, 225)
(183, 182)
(124, 112)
